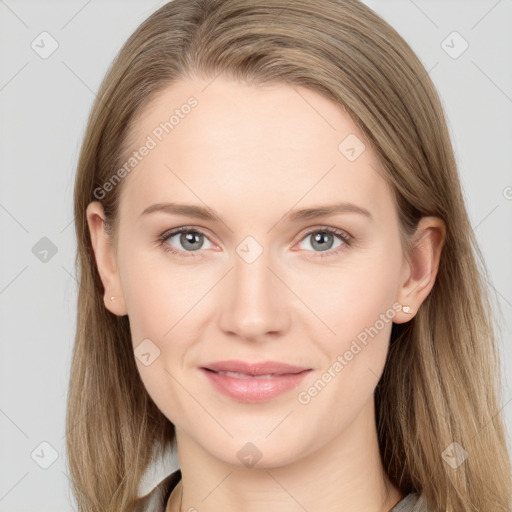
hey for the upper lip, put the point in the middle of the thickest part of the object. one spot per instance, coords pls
(263, 368)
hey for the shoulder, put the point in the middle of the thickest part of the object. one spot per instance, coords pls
(413, 502)
(156, 499)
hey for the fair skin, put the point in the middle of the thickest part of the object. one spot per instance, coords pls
(253, 154)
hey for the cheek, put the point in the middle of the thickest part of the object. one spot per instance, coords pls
(351, 295)
(355, 302)
(160, 298)
(158, 293)
(355, 354)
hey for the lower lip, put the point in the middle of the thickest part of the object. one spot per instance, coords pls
(254, 390)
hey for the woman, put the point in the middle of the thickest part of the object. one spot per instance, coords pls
(327, 344)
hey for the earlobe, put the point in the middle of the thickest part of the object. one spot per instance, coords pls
(105, 257)
(424, 259)
(115, 305)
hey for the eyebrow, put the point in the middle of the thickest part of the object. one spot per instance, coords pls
(302, 214)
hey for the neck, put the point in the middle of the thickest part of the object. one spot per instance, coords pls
(344, 474)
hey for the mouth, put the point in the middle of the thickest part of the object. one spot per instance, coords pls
(239, 375)
(254, 382)
(265, 368)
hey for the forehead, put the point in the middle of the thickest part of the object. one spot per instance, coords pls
(224, 143)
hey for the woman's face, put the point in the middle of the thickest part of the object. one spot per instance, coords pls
(261, 280)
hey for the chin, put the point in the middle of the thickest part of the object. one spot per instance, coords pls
(258, 453)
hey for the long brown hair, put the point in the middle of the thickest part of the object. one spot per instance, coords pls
(441, 380)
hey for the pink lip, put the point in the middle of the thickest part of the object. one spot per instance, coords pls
(249, 387)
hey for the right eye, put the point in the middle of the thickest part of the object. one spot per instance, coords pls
(190, 240)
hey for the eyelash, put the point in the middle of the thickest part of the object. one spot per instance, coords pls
(346, 239)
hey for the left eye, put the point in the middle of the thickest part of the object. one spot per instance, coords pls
(323, 240)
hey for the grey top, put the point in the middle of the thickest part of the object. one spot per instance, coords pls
(413, 502)
(156, 499)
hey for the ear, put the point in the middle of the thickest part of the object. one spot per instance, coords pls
(421, 270)
(105, 256)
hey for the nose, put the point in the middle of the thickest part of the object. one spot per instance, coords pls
(256, 302)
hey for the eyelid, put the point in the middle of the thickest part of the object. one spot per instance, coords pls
(329, 229)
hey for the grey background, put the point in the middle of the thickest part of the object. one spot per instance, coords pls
(44, 106)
